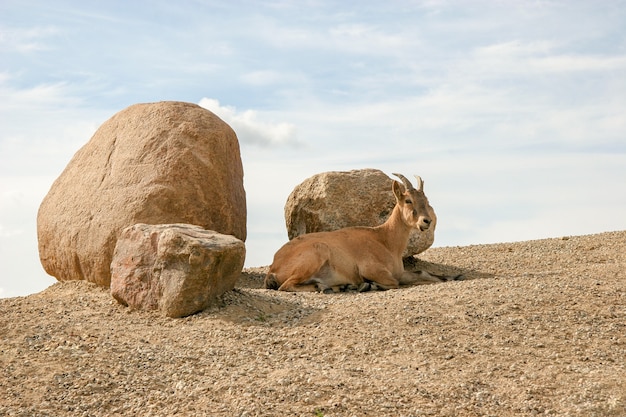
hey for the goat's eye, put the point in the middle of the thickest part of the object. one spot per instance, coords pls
(407, 201)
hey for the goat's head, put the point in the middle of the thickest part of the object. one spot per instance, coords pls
(412, 202)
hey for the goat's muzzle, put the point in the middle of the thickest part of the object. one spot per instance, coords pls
(424, 223)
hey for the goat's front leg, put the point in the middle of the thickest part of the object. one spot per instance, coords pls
(423, 277)
(380, 279)
(294, 284)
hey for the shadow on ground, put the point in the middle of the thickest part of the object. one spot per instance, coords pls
(252, 278)
(250, 304)
(414, 264)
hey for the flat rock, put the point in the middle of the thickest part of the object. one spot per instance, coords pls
(178, 269)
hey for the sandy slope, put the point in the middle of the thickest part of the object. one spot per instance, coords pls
(538, 329)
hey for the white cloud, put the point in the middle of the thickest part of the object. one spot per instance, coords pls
(368, 39)
(539, 57)
(37, 96)
(515, 48)
(25, 40)
(570, 63)
(262, 78)
(250, 129)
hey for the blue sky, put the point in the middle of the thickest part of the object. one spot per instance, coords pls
(513, 112)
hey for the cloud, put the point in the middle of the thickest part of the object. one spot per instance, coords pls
(526, 58)
(41, 95)
(367, 39)
(250, 129)
(569, 63)
(25, 40)
(45, 124)
(262, 78)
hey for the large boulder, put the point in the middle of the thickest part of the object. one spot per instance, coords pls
(333, 200)
(167, 162)
(178, 269)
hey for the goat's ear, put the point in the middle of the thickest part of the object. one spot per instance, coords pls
(398, 190)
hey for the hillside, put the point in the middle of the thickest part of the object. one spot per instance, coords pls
(538, 328)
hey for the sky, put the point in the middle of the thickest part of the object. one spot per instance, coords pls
(513, 112)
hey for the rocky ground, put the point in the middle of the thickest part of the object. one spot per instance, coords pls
(538, 328)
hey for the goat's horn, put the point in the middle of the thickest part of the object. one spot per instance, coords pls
(405, 181)
(420, 183)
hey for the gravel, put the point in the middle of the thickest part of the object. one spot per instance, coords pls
(537, 328)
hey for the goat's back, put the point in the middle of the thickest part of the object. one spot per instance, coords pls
(343, 249)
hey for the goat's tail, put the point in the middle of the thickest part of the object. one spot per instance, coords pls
(270, 282)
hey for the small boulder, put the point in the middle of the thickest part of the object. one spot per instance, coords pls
(155, 163)
(178, 269)
(333, 200)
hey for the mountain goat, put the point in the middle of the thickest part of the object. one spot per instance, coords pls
(360, 258)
